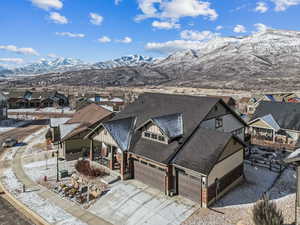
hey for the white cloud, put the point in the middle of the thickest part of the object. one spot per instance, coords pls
(165, 25)
(125, 40)
(57, 18)
(117, 2)
(260, 27)
(52, 55)
(219, 27)
(239, 29)
(175, 9)
(282, 5)
(69, 34)
(24, 51)
(104, 39)
(172, 46)
(261, 7)
(12, 60)
(198, 35)
(96, 19)
(48, 4)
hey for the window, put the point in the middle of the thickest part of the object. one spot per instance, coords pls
(219, 122)
(105, 132)
(154, 136)
(147, 134)
(161, 138)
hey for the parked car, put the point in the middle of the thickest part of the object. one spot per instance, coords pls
(10, 142)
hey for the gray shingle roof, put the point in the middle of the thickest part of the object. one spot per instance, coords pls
(287, 115)
(202, 150)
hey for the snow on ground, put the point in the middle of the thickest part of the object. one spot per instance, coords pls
(7, 125)
(236, 206)
(10, 153)
(32, 200)
(258, 181)
(43, 110)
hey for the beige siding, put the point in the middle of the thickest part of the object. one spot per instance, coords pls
(231, 147)
(225, 166)
(105, 137)
(153, 129)
(76, 144)
(260, 124)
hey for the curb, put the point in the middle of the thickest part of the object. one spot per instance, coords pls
(28, 213)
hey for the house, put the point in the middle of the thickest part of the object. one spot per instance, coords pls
(54, 126)
(227, 99)
(3, 106)
(276, 125)
(34, 99)
(182, 145)
(72, 131)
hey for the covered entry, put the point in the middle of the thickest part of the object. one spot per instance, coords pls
(189, 186)
(150, 174)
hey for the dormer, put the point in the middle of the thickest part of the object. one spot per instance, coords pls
(163, 128)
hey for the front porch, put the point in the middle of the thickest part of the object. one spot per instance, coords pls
(110, 157)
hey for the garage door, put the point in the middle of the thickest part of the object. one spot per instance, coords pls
(151, 176)
(189, 186)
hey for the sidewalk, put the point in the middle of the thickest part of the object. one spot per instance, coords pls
(75, 210)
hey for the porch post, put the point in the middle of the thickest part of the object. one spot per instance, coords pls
(91, 150)
(111, 160)
(273, 136)
(123, 165)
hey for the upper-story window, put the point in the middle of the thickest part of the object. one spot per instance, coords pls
(219, 122)
(153, 136)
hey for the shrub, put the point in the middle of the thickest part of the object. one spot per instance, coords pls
(84, 167)
(266, 213)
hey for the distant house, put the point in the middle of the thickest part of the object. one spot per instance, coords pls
(33, 99)
(72, 131)
(227, 99)
(276, 125)
(3, 106)
(182, 145)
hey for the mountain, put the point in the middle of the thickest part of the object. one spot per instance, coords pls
(265, 60)
(131, 60)
(45, 66)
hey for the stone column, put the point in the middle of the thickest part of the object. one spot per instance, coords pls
(111, 159)
(123, 165)
(204, 196)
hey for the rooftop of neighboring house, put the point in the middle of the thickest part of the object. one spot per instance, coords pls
(226, 99)
(286, 114)
(85, 118)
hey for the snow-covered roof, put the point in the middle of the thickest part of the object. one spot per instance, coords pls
(55, 122)
(66, 129)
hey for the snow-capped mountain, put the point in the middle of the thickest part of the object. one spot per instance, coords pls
(131, 60)
(48, 66)
(69, 64)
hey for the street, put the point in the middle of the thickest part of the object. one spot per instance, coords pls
(8, 214)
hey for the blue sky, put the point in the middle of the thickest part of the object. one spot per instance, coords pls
(97, 30)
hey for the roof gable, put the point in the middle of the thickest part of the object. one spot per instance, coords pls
(121, 131)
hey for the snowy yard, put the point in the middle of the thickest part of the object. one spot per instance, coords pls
(43, 110)
(32, 200)
(236, 206)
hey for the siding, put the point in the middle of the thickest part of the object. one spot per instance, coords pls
(230, 123)
(260, 124)
(153, 129)
(106, 138)
(225, 166)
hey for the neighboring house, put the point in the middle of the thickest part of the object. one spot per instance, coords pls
(178, 144)
(276, 125)
(75, 129)
(33, 99)
(227, 99)
(114, 104)
(54, 126)
(3, 106)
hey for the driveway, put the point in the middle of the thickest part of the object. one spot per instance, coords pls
(134, 203)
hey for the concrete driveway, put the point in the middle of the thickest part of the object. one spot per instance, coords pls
(134, 203)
